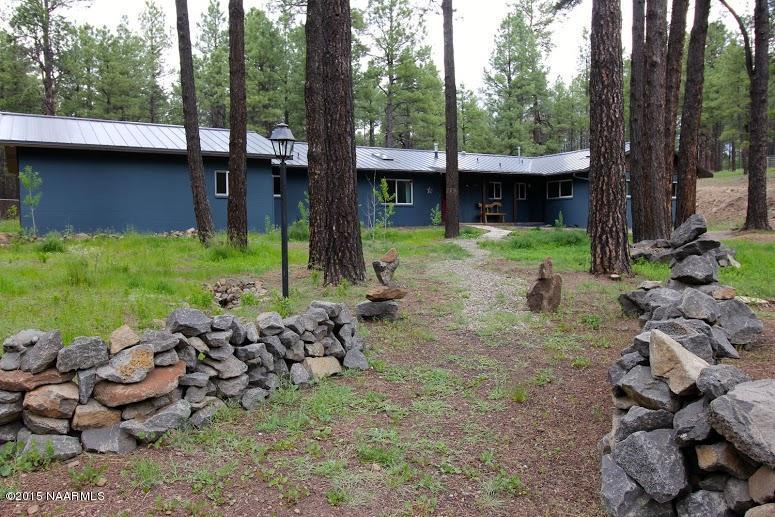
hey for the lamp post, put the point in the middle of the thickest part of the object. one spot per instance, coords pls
(282, 145)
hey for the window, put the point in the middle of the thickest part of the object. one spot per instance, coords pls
(559, 189)
(674, 189)
(221, 183)
(521, 190)
(276, 185)
(628, 187)
(401, 191)
(494, 190)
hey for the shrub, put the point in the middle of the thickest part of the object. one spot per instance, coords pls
(51, 244)
(436, 216)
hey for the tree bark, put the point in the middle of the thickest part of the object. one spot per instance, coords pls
(756, 217)
(607, 209)
(691, 114)
(675, 49)
(237, 209)
(314, 104)
(338, 234)
(637, 136)
(657, 181)
(452, 216)
(204, 220)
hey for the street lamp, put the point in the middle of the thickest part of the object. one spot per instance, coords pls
(282, 145)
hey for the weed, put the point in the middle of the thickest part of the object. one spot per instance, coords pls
(580, 363)
(487, 457)
(13, 460)
(336, 496)
(51, 244)
(543, 377)
(591, 320)
(144, 474)
(89, 475)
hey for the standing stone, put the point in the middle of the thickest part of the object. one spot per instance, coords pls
(545, 294)
(653, 459)
(45, 425)
(43, 353)
(83, 353)
(694, 226)
(18, 380)
(93, 414)
(189, 322)
(722, 457)
(386, 267)
(121, 338)
(61, 447)
(746, 417)
(108, 439)
(673, 362)
(86, 380)
(54, 400)
(128, 366)
(761, 485)
(159, 381)
(703, 504)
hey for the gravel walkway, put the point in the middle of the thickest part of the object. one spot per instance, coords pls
(489, 291)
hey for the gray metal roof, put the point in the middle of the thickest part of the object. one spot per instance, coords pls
(415, 160)
(114, 135)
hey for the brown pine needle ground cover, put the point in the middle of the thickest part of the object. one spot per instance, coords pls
(473, 406)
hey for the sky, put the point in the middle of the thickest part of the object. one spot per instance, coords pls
(476, 22)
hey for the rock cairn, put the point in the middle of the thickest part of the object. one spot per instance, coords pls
(229, 291)
(381, 299)
(669, 250)
(546, 292)
(689, 436)
(108, 397)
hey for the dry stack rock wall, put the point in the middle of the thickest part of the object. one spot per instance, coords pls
(690, 436)
(108, 397)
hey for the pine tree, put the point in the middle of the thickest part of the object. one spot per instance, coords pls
(451, 182)
(211, 64)
(19, 89)
(155, 41)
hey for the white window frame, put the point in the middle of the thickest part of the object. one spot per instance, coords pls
(674, 190)
(517, 187)
(395, 189)
(559, 190)
(275, 177)
(215, 180)
(500, 190)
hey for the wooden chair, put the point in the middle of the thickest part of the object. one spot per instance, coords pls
(487, 210)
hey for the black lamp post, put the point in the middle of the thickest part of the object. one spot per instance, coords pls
(282, 145)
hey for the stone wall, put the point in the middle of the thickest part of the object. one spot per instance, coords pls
(690, 436)
(108, 397)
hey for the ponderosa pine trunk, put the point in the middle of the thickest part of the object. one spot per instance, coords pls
(237, 208)
(607, 212)
(314, 103)
(691, 114)
(675, 49)
(658, 221)
(637, 80)
(204, 219)
(756, 217)
(338, 233)
(452, 216)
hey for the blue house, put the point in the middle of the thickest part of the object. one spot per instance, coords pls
(112, 175)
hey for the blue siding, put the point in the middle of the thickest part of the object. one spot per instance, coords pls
(426, 192)
(90, 191)
(574, 210)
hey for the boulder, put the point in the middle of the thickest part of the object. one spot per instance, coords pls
(633, 303)
(128, 366)
(18, 380)
(205, 415)
(661, 297)
(765, 510)
(166, 418)
(746, 417)
(315, 349)
(54, 446)
(188, 355)
(698, 305)
(721, 345)
(270, 324)
(45, 425)
(623, 365)
(232, 387)
(653, 459)
(8, 432)
(93, 414)
(696, 247)
(355, 360)
(189, 322)
(220, 353)
(108, 439)
(299, 374)
(692, 422)
(227, 368)
(20, 341)
(10, 396)
(161, 340)
(83, 353)
(622, 496)
(43, 354)
(167, 358)
(641, 419)
(377, 310)
(86, 380)
(332, 308)
(275, 347)
(722, 457)
(121, 338)
(53, 400)
(239, 333)
(737, 496)
(253, 398)
(647, 391)
(703, 503)
(320, 367)
(694, 226)
(386, 267)
(222, 322)
(718, 291)
(545, 294)
(740, 323)
(289, 338)
(715, 381)
(159, 381)
(145, 408)
(11, 361)
(333, 347)
(695, 337)
(385, 293)
(696, 269)
(673, 362)
(10, 411)
(198, 345)
(218, 339)
(761, 485)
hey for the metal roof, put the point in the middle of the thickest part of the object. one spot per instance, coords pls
(114, 135)
(415, 160)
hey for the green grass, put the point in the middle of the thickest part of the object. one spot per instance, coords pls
(755, 277)
(9, 226)
(569, 249)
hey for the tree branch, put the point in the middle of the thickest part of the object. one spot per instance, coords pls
(746, 40)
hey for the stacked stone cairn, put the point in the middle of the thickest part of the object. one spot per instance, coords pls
(545, 294)
(667, 250)
(690, 436)
(102, 397)
(381, 300)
